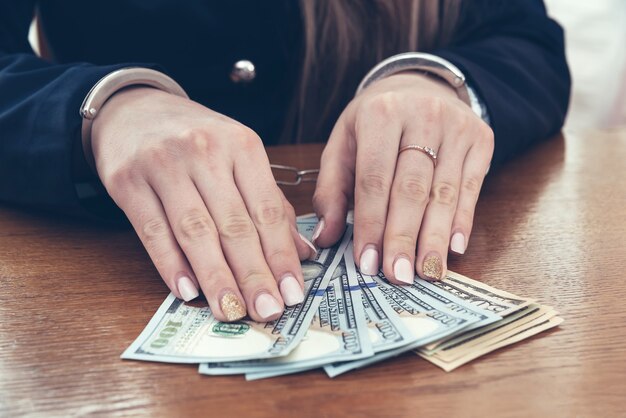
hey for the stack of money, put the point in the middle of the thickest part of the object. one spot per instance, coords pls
(348, 320)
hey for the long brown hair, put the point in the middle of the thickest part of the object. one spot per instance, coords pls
(343, 39)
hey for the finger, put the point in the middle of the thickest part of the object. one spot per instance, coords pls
(146, 214)
(378, 137)
(335, 186)
(474, 171)
(197, 236)
(434, 235)
(306, 249)
(265, 204)
(409, 197)
(240, 244)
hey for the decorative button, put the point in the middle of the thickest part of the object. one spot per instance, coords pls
(243, 72)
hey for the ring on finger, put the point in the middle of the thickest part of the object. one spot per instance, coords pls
(431, 153)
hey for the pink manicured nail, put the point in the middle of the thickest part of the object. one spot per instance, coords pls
(318, 229)
(369, 260)
(291, 291)
(266, 306)
(403, 270)
(187, 288)
(313, 253)
(457, 243)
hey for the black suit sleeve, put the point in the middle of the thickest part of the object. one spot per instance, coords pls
(39, 119)
(513, 54)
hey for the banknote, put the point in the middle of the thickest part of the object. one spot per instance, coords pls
(466, 336)
(521, 334)
(338, 333)
(427, 311)
(489, 337)
(186, 333)
(386, 330)
(478, 294)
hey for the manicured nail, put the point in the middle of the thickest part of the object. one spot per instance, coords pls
(187, 288)
(432, 267)
(313, 253)
(369, 260)
(403, 270)
(266, 306)
(457, 243)
(232, 307)
(318, 229)
(291, 290)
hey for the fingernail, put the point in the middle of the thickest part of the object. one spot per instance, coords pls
(432, 267)
(266, 306)
(457, 243)
(403, 270)
(187, 288)
(318, 229)
(232, 307)
(313, 253)
(369, 260)
(291, 290)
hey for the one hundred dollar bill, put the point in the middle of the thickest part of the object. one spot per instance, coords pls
(519, 334)
(183, 333)
(338, 333)
(481, 295)
(429, 313)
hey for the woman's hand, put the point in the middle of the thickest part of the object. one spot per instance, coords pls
(403, 200)
(198, 189)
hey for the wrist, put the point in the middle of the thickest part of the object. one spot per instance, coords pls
(427, 84)
(115, 111)
(106, 88)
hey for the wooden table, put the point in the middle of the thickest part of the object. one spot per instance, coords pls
(550, 225)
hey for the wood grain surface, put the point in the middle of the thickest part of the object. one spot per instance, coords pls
(550, 225)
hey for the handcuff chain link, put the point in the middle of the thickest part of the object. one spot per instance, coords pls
(300, 176)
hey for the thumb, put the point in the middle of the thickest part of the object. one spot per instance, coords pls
(335, 186)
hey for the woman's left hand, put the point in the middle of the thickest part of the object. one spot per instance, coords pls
(403, 200)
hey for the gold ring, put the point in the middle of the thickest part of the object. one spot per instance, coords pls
(426, 150)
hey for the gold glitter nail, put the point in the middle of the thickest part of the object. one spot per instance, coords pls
(432, 267)
(232, 307)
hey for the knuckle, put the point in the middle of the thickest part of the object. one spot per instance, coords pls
(405, 240)
(486, 133)
(438, 239)
(381, 105)
(371, 223)
(195, 224)
(487, 137)
(118, 180)
(444, 193)
(472, 185)
(163, 154)
(465, 217)
(373, 183)
(153, 231)
(236, 226)
(253, 278)
(198, 141)
(269, 214)
(414, 189)
(279, 256)
(245, 137)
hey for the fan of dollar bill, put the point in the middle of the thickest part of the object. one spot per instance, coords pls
(347, 321)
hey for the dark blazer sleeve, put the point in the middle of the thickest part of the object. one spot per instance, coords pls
(39, 119)
(513, 54)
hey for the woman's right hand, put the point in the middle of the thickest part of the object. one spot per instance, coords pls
(198, 189)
